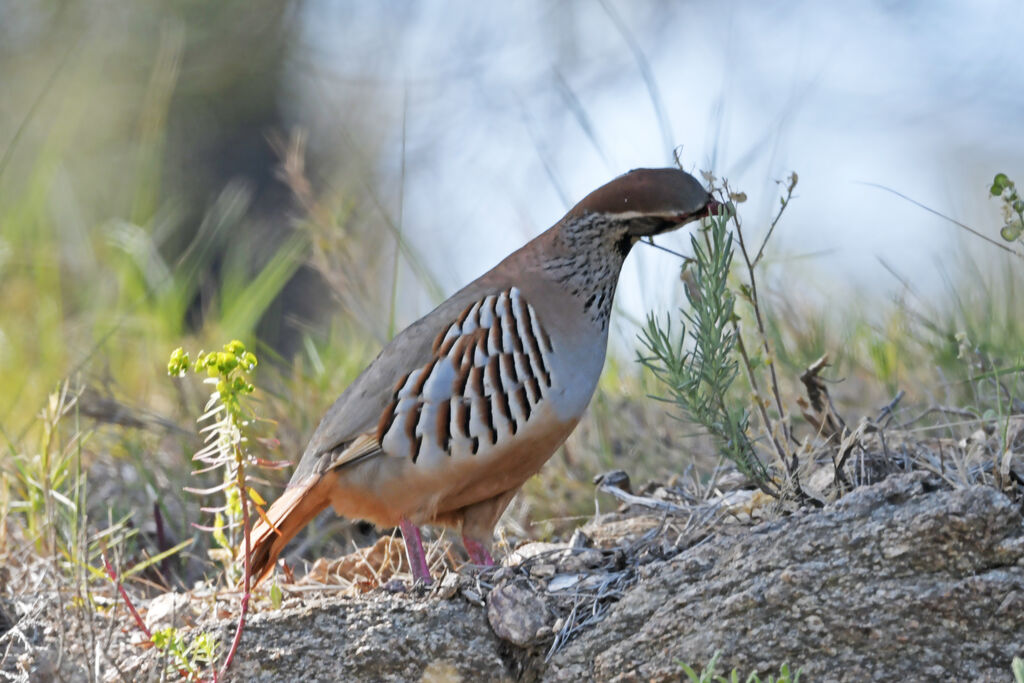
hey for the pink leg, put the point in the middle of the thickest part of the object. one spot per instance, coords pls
(414, 551)
(478, 553)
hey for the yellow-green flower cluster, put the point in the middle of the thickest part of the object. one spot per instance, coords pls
(230, 366)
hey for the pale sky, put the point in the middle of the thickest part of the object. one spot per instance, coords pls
(515, 111)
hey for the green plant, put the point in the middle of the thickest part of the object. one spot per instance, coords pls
(699, 366)
(229, 420)
(699, 376)
(47, 483)
(1013, 207)
(709, 674)
(189, 659)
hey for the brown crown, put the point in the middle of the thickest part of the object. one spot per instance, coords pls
(648, 192)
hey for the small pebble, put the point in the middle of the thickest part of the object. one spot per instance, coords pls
(472, 596)
(542, 571)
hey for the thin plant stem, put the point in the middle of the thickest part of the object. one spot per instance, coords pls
(955, 222)
(124, 596)
(762, 412)
(775, 221)
(759, 319)
(247, 573)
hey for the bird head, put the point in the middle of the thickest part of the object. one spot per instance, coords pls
(648, 201)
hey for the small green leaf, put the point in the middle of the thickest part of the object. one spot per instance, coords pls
(159, 557)
(999, 183)
(276, 595)
(218, 532)
(163, 637)
(690, 673)
(1011, 231)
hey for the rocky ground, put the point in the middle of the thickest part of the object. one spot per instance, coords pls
(907, 579)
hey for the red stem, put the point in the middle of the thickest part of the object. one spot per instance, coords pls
(240, 479)
(124, 596)
(184, 673)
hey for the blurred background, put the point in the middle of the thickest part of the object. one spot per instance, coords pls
(311, 176)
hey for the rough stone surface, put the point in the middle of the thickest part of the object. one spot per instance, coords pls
(896, 581)
(389, 638)
(906, 580)
(903, 580)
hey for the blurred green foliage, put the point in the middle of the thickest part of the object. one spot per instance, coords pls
(128, 206)
(141, 208)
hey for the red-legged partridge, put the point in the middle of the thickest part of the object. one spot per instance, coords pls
(467, 403)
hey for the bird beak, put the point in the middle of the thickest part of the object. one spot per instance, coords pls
(713, 208)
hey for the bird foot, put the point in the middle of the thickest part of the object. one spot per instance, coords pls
(478, 553)
(414, 551)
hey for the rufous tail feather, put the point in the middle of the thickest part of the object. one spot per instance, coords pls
(296, 507)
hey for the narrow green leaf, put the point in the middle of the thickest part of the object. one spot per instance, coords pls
(142, 566)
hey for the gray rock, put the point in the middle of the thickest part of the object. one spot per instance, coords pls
(385, 638)
(898, 581)
(169, 609)
(905, 580)
(516, 613)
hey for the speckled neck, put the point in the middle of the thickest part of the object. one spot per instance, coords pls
(588, 255)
